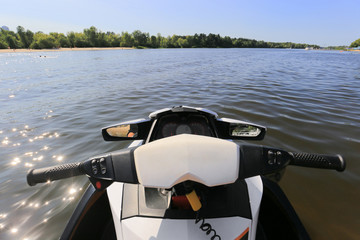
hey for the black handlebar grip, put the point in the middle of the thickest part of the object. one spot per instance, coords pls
(336, 162)
(41, 175)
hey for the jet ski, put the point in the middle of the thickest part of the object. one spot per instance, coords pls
(184, 176)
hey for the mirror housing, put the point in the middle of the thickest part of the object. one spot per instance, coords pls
(124, 130)
(131, 130)
(239, 130)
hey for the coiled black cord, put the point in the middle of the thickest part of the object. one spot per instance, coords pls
(206, 227)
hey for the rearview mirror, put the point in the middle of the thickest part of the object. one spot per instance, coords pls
(126, 130)
(244, 130)
(132, 130)
(235, 129)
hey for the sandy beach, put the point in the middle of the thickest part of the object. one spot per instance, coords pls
(62, 49)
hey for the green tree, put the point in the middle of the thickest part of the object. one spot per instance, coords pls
(102, 40)
(182, 42)
(356, 43)
(3, 43)
(126, 40)
(195, 41)
(43, 41)
(213, 41)
(113, 39)
(9, 39)
(238, 42)
(140, 38)
(173, 41)
(164, 42)
(153, 42)
(202, 40)
(81, 40)
(190, 41)
(158, 40)
(71, 38)
(29, 36)
(26, 37)
(60, 40)
(91, 36)
(227, 42)
(12, 41)
(261, 44)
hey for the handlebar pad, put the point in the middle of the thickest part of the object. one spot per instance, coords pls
(335, 162)
(41, 175)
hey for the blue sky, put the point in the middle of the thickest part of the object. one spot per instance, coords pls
(321, 22)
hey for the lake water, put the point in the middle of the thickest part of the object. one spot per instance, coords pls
(53, 105)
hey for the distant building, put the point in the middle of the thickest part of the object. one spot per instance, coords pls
(5, 28)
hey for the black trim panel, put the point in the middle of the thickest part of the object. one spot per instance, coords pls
(277, 216)
(92, 218)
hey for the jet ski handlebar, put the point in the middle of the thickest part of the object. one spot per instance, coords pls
(63, 171)
(119, 166)
(262, 160)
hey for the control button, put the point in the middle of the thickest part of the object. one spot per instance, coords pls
(271, 157)
(278, 157)
(94, 167)
(102, 165)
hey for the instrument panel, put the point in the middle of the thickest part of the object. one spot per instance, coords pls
(182, 124)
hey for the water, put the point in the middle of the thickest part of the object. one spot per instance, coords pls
(52, 109)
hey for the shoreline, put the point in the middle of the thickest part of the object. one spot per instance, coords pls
(23, 50)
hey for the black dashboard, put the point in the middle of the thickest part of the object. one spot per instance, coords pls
(182, 123)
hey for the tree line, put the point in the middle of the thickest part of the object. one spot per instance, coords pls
(92, 37)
